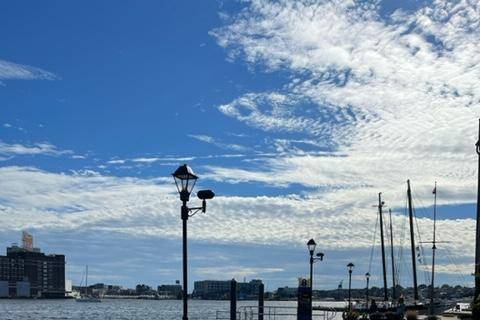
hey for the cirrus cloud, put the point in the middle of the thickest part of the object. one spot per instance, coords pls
(14, 71)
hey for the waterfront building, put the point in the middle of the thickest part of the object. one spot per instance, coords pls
(287, 293)
(3, 289)
(220, 289)
(144, 290)
(248, 290)
(113, 289)
(26, 268)
(23, 289)
(127, 292)
(101, 290)
(170, 291)
(211, 289)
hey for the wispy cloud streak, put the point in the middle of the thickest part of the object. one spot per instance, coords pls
(14, 71)
(42, 148)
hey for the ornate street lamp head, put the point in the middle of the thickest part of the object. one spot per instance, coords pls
(311, 246)
(185, 180)
(350, 267)
(367, 275)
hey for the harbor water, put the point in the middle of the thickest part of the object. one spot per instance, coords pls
(125, 309)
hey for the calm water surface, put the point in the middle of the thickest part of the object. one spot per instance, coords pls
(116, 309)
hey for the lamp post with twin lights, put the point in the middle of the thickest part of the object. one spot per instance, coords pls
(185, 180)
(319, 257)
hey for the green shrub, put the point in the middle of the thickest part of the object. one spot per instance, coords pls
(350, 315)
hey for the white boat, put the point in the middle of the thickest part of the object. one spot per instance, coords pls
(460, 310)
(87, 297)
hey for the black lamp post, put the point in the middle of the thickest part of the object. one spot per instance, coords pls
(350, 270)
(367, 276)
(477, 235)
(311, 248)
(185, 180)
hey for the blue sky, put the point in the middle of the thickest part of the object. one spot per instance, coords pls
(296, 113)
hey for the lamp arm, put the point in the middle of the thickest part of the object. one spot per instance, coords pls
(194, 210)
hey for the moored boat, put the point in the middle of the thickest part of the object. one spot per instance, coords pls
(86, 297)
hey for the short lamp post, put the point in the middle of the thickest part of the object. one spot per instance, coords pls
(185, 180)
(367, 276)
(319, 257)
(350, 270)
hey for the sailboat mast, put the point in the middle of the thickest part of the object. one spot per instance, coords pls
(434, 247)
(380, 206)
(412, 242)
(86, 280)
(393, 259)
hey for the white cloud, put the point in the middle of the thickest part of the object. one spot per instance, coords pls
(202, 137)
(11, 71)
(215, 142)
(116, 161)
(93, 202)
(227, 273)
(133, 208)
(146, 160)
(34, 149)
(464, 269)
(388, 101)
(168, 160)
(149, 160)
(77, 156)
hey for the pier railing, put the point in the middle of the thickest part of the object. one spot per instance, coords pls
(273, 313)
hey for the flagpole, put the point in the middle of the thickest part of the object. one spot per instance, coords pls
(434, 248)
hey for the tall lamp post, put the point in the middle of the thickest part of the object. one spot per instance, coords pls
(350, 270)
(367, 276)
(319, 256)
(477, 237)
(185, 180)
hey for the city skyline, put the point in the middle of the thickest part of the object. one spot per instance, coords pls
(296, 132)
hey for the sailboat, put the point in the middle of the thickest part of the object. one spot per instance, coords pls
(415, 303)
(86, 297)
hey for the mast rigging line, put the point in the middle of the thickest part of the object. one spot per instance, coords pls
(421, 257)
(463, 275)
